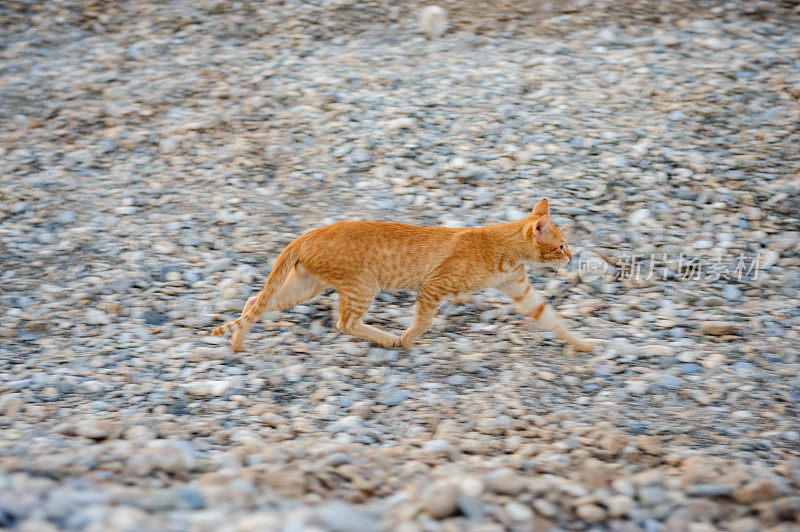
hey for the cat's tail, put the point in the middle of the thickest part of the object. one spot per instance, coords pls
(252, 311)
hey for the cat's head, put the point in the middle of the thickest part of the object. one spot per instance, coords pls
(548, 242)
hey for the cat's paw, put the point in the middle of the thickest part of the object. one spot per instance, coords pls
(406, 341)
(237, 342)
(391, 340)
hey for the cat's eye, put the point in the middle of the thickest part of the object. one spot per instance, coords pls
(562, 248)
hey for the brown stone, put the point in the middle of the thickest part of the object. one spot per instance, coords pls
(649, 444)
(756, 491)
(591, 513)
(718, 328)
(441, 500)
(613, 442)
(505, 482)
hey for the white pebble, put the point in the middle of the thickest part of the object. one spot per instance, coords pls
(433, 21)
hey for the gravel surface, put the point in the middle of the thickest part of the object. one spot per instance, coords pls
(155, 159)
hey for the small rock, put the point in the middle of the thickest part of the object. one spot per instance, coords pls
(393, 397)
(769, 258)
(652, 495)
(215, 388)
(591, 513)
(259, 521)
(638, 216)
(518, 511)
(106, 146)
(649, 444)
(29, 525)
(219, 265)
(121, 284)
(170, 456)
(505, 482)
(613, 442)
(710, 490)
(718, 328)
(756, 491)
(67, 217)
(191, 499)
(603, 370)
(571, 380)
(637, 387)
(713, 361)
(745, 524)
(433, 21)
(140, 433)
(548, 376)
(700, 397)
(731, 292)
(475, 173)
(362, 409)
(441, 500)
(96, 430)
(745, 369)
(97, 317)
(703, 510)
(457, 380)
(359, 156)
(691, 368)
(170, 144)
(619, 505)
(342, 517)
(701, 527)
(545, 507)
(271, 419)
(472, 507)
(436, 446)
(670, 382)
(152, 317)
(404, 122)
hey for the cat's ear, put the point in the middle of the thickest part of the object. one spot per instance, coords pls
(541, 208)
(534, 229)
(542, 224)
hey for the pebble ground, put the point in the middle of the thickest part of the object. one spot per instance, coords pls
(156, 157)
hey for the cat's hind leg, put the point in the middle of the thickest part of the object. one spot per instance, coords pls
(352, 307)
(298, 287)
(427, 304)
(534, 305)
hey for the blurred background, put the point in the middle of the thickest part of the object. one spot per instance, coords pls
(155, 157)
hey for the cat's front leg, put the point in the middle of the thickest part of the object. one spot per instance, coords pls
(237, 340)
(532, 304)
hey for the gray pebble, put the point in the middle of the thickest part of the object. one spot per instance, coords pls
(745, 369)
(152, 317)
(393, 397)
(67, 217)
(670, 382)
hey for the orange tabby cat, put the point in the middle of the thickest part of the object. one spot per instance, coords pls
(360, 258)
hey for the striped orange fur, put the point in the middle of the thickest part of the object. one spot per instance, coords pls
(359, 259)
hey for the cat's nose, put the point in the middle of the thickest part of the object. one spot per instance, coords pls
(568, 252)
